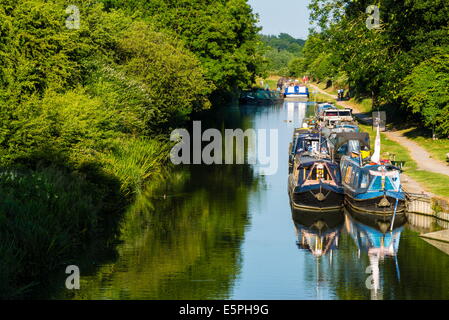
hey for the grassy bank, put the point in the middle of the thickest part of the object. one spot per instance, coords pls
(437, 148)
(319, 97)
(271, 80)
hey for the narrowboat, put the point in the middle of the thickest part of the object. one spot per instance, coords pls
(314, 181)
(296, 91)
(260, 97)
(343, 142)
(331, 117)
(315, 184)
(372, 189)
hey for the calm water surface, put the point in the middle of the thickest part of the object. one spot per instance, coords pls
(227, 232)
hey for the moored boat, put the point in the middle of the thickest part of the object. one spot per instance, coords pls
(315, 185)
(296, 91)
(331, 117)
(345, 142)
(372, 189)
(259, 96)
(314, 180)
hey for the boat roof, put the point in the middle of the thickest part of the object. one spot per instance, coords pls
(372, 166)
(322, 106)
(340, 138)
(309, 160)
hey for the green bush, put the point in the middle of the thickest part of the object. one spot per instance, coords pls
(425, 92)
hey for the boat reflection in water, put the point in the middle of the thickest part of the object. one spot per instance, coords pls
(378, 241)
(318, 232)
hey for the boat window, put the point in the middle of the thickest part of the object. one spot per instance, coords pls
(343, 149)
(348, 174)
(343, 168)
(315, 146)
(331, 113)
(353, 146)
(356, 178)
(299, 145)
(294, 145)
(337, 175)
(344, 113)
(299, 174)
(364, 180)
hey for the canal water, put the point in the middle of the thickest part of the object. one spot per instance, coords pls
(227, 232)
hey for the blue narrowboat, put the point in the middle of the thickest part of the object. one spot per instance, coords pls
(372, 189)
(314, 180)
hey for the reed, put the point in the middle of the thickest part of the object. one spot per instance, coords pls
(134, 161)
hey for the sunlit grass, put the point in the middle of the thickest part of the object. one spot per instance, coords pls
(437, 148)
(320, 97)
(133, 161)
(363, 105)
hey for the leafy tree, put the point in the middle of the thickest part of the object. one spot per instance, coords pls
(280, 51)
(375, 62)
(425, 91)
(222, 34)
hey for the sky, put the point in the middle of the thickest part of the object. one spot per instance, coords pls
(287, 16)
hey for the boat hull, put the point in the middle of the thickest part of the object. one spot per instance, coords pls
(296, 97)
(308, 198)
(260, 101)
(372, 205)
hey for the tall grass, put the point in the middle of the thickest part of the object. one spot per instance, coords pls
(133, 161)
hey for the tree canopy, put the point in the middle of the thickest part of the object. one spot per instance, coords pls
(222, 34)
(279, 51)
(384, 62)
